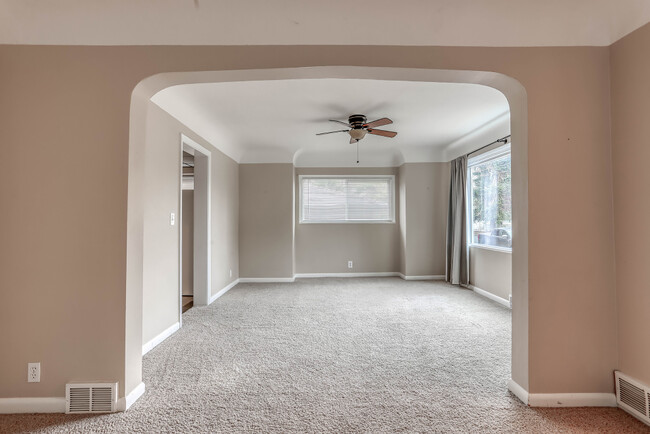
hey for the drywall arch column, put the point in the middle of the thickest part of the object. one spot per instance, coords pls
(511, 88)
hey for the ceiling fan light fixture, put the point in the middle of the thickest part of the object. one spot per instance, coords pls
(358, 133)
(359, 127)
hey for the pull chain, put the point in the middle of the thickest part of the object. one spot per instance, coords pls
(357, 152)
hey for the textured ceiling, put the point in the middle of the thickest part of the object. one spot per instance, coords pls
(277, 120)
(336, 22)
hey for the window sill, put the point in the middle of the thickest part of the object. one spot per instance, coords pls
(493, 248)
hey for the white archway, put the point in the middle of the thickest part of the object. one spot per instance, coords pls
(511, 88)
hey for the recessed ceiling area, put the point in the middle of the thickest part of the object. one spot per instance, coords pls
(276, 121)
(495, 23)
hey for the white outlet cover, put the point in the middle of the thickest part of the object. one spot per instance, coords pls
(33, 372)
(172, 219)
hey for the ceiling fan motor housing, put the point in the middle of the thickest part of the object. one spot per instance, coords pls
(357, 121)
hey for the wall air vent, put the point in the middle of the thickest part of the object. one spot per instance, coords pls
(90, 397)
(633, 396)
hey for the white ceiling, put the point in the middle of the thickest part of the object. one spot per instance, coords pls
(335, 22)
(277, 120)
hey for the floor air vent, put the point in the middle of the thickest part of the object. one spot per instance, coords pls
(90, 397)
(633, 397)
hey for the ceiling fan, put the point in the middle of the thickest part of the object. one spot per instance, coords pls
(359, 127)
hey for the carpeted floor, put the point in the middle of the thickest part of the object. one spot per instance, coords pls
(335, 355)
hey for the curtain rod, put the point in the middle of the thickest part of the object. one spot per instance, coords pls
(503, 140)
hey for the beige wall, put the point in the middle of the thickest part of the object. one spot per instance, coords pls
(188, 242)
(630, 89)
(491, 271)
(266, 220)
(64, 258)
(425, 202)
(327, 248)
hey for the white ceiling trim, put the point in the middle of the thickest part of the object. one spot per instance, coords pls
(497, 23)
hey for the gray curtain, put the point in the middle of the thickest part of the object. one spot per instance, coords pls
(457, 269)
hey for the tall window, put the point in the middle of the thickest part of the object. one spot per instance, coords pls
(490, 197)
(347, 199)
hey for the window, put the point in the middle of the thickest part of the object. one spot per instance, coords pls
(491, 198)
(347, 199)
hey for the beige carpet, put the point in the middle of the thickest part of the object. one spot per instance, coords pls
(335, 355)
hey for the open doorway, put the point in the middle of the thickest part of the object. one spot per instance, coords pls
(195, 238)
(187, 219)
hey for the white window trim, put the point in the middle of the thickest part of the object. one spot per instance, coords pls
(490, 155)
(347, 222)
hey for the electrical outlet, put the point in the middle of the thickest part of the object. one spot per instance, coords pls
(349, 264)
(231, 272)
(172, 219)
(33, 372)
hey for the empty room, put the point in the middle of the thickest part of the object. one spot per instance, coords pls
(421, 219)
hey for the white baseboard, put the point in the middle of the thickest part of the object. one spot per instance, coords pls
(161, 337)
(32, 405)
(266, 279)
(518, 391)
(123, 404)
(314, 275)
(489, 295)
(174, 328)
(429, 277)
(572, 400)
(562, 399)
(223, 291)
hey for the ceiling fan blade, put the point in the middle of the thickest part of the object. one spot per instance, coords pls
(330, 132)
(378, 123)
(383, 133)
(341, 122)
(353, 140)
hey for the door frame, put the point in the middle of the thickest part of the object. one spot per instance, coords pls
(202, 278)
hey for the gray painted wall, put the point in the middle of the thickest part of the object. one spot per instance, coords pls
(266, 220)
(160, 292)
(327, 248)
(491, 271)
(425, 201)
(160, 289)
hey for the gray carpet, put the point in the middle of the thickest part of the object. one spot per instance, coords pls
(335, 355)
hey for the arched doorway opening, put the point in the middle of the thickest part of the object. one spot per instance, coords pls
(511, 88)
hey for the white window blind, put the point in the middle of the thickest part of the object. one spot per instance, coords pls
(329, 199)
